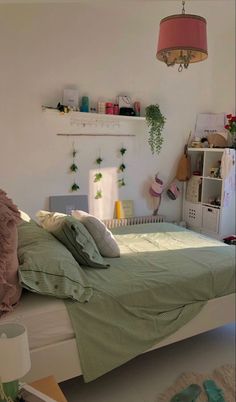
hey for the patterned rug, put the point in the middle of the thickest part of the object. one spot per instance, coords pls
(223, 376)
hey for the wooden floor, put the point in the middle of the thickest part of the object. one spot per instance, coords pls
(142, 379)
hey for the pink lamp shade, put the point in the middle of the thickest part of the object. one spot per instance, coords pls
(182, 39)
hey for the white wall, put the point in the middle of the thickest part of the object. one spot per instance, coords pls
(104, 49)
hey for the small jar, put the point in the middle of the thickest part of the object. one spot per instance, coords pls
(116, 109)
(109, 108)
(101, 107)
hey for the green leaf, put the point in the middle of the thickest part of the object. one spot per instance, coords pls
(74, 187)
(123, 151)
(121, 182)
(97, 177)
(122, 167)
(98, 195)
(99, 161)
(73, 167)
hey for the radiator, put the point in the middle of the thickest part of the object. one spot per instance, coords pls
(136, 220)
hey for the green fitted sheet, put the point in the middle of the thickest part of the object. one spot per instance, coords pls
(164, 277)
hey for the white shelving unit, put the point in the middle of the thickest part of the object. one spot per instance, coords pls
(205, 209)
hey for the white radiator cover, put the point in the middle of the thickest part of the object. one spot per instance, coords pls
(136, 220)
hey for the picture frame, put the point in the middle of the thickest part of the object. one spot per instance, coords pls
(124, 209)
(71, 98)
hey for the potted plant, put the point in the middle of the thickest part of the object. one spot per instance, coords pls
(231, 127)
(155, 121)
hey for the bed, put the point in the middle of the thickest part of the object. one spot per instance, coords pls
(53, 338)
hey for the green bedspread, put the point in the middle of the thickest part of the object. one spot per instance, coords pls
(163, 279)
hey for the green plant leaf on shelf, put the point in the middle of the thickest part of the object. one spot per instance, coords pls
(99, 161)
(73, 167)
(122, 167)
(98, 195)
(74, 152)
(123, 150)
(121, 182)
(74, 187)
(97, 177)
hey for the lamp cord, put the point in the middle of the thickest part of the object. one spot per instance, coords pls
(183, 4)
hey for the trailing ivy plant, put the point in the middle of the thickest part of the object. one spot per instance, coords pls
(122, 167)
(155, 121)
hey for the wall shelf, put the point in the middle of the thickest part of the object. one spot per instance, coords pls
(93, 116)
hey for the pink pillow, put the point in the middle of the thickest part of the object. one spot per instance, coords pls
(10, 289)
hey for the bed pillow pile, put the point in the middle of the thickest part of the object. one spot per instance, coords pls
(74, 235)
(102, 236)
(47, 267)
(10, 289)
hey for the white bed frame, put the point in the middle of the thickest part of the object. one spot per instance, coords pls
(61, 359)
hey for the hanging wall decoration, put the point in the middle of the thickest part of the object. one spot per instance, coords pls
(121, 168)
(74, 169)
(98, 178)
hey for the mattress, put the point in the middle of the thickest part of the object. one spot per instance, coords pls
(45, 318)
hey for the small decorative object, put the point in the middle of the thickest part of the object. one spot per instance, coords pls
(73, 169)
(137, 108)
(98, 177)
(14, 361)
(182, 39)
(116, 109)
(155, 121)
(127, 111)
(155, 191)
(71, 98)
(109, 108)
(63, 108)
(124, 101)
(101, 107)
(173, 191)
(85, 104)
(124, 209)
(231, 127)
(122, 167)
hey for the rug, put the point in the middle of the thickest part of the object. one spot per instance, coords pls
(223, 376)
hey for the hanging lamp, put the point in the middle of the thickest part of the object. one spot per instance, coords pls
(182, 39)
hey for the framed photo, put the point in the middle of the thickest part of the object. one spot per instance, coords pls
(71, 98)
(124, 209)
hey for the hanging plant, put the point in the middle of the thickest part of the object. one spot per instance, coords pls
(74, 187)
(155, 121)
(121, 182)
(122, 167)
(97, 178)
(73, 169)
(98, 194)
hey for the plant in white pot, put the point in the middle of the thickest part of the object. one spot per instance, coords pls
(155, 121)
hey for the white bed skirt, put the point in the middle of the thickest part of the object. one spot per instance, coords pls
(61, 359)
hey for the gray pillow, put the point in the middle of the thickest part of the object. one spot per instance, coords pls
(47, 267)
(104, 239)
(74, 235)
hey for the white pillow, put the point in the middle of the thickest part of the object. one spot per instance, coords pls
(103, 238)
(24, 216)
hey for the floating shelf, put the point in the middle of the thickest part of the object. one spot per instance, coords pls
(93, 116)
